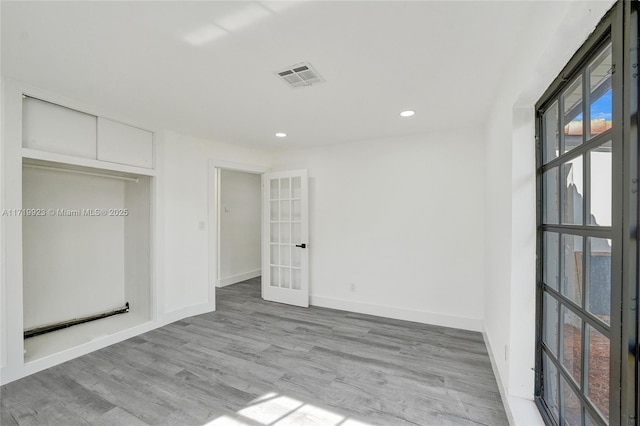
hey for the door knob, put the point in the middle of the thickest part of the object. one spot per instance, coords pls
(303, 245)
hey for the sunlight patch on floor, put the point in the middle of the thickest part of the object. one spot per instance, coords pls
(273, 409)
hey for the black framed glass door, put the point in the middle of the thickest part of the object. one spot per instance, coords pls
(586, 348)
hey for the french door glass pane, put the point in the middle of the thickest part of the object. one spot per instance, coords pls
(275, 276)
(572, 343)
(598, 375)
(285, 275)
(285, 192)
(296, 233)
(601, 186)
(296, 185)
(285, 210)
(285, 255)
(550, 326)
(601, 107)
(296, 210)
(285, 233)
(572, 118)
(296, 279)
(274, 189)
(599, 279)
(295, 257)
(573, 191)
(551, 134)
(571, 285)
(550, 190)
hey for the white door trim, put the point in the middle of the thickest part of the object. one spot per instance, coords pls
(213, 206)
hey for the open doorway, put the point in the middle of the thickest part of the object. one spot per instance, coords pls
(239, 226)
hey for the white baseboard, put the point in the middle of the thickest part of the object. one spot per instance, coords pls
(223, 282)
(185, 312)
(8, 374)
(472, 324)
(520, 411)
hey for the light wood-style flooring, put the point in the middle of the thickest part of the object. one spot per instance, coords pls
(259, 363)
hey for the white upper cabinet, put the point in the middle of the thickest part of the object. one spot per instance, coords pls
(48, 127)
(54, 128)
(123, 144)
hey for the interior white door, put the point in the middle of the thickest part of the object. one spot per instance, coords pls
(285, 252)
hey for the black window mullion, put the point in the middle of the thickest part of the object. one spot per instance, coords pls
(579, 150)
(586, 231)
(562, 372)
(594, 321)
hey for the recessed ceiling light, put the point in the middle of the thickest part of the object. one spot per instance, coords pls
(281, 135)
(408, 113)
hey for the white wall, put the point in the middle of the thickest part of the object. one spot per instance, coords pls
(240, 226)
(403, 221)
(73, 266)
(184, 202)
(510, 195)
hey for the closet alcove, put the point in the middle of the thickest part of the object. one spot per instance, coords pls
(86, 228)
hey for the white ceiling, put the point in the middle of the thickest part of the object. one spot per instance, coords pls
(206, 69)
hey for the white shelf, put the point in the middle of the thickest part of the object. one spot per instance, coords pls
(79, 162)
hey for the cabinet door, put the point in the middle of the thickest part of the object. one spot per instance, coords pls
(54, 128)
(123, 144)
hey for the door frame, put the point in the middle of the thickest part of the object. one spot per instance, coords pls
(213, 214)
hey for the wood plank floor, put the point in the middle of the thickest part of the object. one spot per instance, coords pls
(259, 363)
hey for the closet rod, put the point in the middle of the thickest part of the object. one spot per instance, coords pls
(80, 172)
(36, 331)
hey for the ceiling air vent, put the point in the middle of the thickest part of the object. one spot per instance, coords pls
(300, 75)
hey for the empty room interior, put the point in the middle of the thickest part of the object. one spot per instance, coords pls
(319, 213)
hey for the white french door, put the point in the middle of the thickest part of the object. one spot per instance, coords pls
(285, 253)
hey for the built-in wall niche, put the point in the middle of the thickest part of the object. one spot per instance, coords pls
(86, 250)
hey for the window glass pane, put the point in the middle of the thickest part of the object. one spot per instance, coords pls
(573, 191)
(571, 407)
(572, 118)
(550, 214)
(572, 343)
(550, 393)
(599, 289)
(274, 231)
(601, 187)
(550, 327)
(572, 254)
(601, 94)
(551, 136)
(598, 375)
(275, 251)
(551, 264)
(274, 211)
